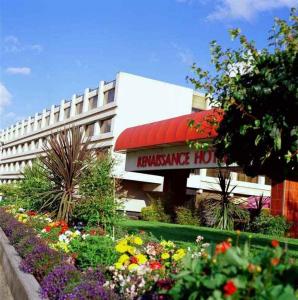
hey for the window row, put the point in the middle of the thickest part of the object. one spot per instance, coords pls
(92, 104)
(15, 167)
(91, 129)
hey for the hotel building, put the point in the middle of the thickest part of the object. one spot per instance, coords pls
(104, 112)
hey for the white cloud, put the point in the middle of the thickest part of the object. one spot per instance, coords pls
(5, 97)
(247, 9)
(12, 44)
(18, 70)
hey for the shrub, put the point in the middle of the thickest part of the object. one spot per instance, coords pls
(271, 225)
(93, 251)
(184, 216)
(155, 211)
(98, 206)
(34, 186)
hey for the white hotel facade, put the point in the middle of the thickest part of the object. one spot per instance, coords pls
(104, 112)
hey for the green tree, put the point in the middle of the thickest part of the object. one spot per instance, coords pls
(98, 205)
(34, 185)
(257, 91)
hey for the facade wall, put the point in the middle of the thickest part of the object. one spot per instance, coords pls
(104, 112)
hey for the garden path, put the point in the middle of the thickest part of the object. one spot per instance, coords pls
(5, 293)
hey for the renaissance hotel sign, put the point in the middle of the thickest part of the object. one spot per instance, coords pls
(168, 158)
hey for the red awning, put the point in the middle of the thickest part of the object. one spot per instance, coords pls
(169, 131)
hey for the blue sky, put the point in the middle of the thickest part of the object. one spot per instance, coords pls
(51, 49)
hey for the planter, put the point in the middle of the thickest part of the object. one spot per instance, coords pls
(23, 286)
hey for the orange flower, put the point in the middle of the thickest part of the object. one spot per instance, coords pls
(229, 288)
(274, 261)
(251, 268)
(275, 243)
(222, 247)
(155, 265)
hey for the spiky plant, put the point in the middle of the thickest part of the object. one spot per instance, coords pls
(65, 157)
(226, 211)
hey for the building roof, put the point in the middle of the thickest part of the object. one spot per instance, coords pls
(170, 131)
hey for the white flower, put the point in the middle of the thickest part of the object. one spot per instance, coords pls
(205, 245)
(199, 238)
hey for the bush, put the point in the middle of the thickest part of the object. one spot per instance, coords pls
(11, 194)
(98, 206)
(34, 186)
(184, 216)
(93, 251)
(155, 211)
(271, 225)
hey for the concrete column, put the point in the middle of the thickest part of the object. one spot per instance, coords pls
(61, 114)
(86, 100)
(100, 93)
(29, 129)
(261, 180)
(96, 129)
(22, 127)
(73, 105)
(234, 176)
(35, 122)
(43, 118)
(52, 116)
(25, 147)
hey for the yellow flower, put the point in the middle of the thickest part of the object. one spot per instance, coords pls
(165, 255)
(132, 267)
(180, 253)
(121, 247)
(137, 240)
(123, 259)
(142, 259)
(61, 246)
(131, 250)
(118, 265)
(169, 244)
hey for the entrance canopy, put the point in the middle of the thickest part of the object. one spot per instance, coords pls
(162, 145)
(169, 132)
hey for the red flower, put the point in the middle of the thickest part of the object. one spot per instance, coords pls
(133, 260)
(63, 229)
(155, 265)
(31, 213)
(48, 228)
(275, 243)
(222, 247)
(92, 232)
(229, 288)
(274, 261)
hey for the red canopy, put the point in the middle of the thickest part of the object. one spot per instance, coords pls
(169, 131)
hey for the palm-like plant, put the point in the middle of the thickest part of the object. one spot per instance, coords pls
(224, 210)
(65, 157)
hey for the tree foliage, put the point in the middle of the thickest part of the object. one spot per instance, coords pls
(258, 93)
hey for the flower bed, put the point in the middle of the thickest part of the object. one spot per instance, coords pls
(84, 263)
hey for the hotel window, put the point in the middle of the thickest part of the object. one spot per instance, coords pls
(47, 120)
(214, 172)
(106, 126)
(267, 180)
(109, 96)
(243, 177)
(92, 102)
(67, 113)
(79, 108)
(56, 116)
(90, 130)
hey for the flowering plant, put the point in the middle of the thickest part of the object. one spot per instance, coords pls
(231, 272)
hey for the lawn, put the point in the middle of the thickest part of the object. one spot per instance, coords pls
(186, 234)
